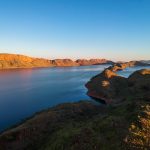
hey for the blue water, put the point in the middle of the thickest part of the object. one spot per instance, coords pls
(126, 72)
(26, 91)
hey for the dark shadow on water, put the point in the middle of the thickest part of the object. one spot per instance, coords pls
(99, 100)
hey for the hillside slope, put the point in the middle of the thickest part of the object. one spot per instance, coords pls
(21, 61)
(9, 61)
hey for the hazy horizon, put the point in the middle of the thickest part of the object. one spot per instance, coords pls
(74, 59)
(110, 29)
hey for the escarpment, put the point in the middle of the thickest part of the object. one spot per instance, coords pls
(9, 61)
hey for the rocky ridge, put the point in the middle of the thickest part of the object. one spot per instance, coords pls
(84, 62)
(8, 61)
(110, 87)
(121, 66)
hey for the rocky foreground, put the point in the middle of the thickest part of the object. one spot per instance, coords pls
(9, 61)
(122, 124)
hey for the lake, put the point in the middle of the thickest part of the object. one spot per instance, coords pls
(26, 91)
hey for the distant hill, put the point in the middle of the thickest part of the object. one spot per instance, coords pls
(146, 61)
(21, 61)
(8, 61)
(84, 62)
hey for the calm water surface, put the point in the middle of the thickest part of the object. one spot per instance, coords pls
(26, 91)
(126, 72)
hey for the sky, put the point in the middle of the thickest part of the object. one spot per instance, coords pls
(111, 29)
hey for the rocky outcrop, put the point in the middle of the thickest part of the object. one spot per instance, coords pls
(139, 83)
(8, 61)
(111, 88)
(122, 66)
(107, 86)
(85, 62)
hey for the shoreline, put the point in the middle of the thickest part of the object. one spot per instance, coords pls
(24, 120)
(19, 68)
(104, 85)
(96, 99)
(84, 124)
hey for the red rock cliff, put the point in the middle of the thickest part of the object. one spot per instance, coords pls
(21, 61)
